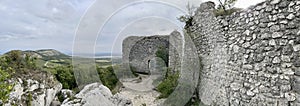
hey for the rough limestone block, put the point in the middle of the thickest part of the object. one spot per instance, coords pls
(290, 16)
(297, 71)
(296, 47)
(276, 60)
(277, 34)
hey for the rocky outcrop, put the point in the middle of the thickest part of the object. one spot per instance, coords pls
(33, 92)
(250, 57)
(96, 94)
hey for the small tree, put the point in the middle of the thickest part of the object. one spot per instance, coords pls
(30, 61)
(226, 4)
(15, 59)
(189, 16)
(225, 7)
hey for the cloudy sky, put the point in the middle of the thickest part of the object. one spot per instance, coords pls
(85, 26)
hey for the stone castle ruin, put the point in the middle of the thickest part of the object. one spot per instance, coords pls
(249, 58)
(139, 51)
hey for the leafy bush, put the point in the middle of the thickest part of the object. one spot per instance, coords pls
(16, 61)
(167, 86)
(5, 87)
(10, 63)
(108, 77)
(65, 75)
(30, 62)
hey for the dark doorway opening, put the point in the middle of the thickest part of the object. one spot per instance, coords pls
(149, 64)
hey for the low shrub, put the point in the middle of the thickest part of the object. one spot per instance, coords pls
(108, 77)
(65, 75)
(167, 86)
(5, 87)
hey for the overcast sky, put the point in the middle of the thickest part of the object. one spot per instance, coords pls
(43, 24)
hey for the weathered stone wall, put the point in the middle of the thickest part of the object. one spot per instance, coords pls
(138, 51)
(144, 50)
(250, 57)
(175, 51)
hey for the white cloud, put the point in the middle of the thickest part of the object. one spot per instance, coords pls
(32, 21)
(33, 24)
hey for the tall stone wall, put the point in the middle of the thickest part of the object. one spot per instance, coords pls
(251, 57)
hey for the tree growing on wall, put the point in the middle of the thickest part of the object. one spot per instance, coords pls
(226, 4)
(189, 16)
(226, 7)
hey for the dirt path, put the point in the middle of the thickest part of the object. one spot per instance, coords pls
(142, 84)
(140, 90)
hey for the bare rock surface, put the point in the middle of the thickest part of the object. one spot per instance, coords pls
(96, 94)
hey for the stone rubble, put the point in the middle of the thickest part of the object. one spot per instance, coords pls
(96, 94)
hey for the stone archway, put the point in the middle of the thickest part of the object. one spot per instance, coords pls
(143, 51)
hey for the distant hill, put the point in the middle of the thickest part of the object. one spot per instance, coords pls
(52, 54)
(46, 54)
